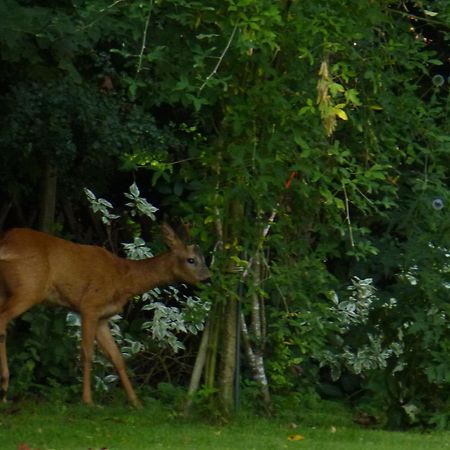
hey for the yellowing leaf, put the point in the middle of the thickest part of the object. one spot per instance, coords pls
(376, 107)
(296, 437)
(341, 114)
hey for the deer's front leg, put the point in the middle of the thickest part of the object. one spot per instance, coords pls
(88, 330)
(109, 347)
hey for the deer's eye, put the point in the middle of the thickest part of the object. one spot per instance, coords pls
(191, 261)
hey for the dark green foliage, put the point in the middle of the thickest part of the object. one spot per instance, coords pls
(43, 355)
(77, 129)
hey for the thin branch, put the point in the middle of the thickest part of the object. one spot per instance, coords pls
(219, 62)
(276, 285)
(181, 161)
(347, 217)
(110, 6)
(106, 8)
(365, 196)
(144, 38)
(198, 368)
(264, 234)
(411, 16)
(270, 223)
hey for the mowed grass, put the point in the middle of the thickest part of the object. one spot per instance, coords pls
(47, 426)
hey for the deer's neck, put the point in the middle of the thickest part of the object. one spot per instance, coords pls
(146, 274)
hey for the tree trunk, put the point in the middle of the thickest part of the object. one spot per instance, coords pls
(256, 362)
(198, 368)
(215, 318)
(228, 361)
(48, 198)
(6, 207)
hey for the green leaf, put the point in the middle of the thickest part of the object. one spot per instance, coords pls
(335, 88)
(341, 113)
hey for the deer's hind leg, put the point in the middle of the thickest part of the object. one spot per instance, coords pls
(4, 369)
(10, 308)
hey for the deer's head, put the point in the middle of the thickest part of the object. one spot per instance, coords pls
(189, 262)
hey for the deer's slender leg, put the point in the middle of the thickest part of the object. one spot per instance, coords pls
(11, 308)
(4, 370)
(88, 330)
(109, 347)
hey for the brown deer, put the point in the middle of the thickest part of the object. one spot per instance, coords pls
(36, 267)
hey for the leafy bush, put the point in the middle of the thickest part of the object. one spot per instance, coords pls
(179, 314)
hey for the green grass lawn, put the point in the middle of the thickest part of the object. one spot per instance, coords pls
(48, 426)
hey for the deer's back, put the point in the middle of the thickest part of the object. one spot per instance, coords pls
(43, 266)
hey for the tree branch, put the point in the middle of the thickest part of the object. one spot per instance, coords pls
(347, 217)
(216, 68)
(144, 37)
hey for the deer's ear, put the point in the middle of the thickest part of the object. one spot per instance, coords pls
(170, 237)
(184, 232)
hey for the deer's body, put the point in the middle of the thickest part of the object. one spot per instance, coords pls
(36, 267)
